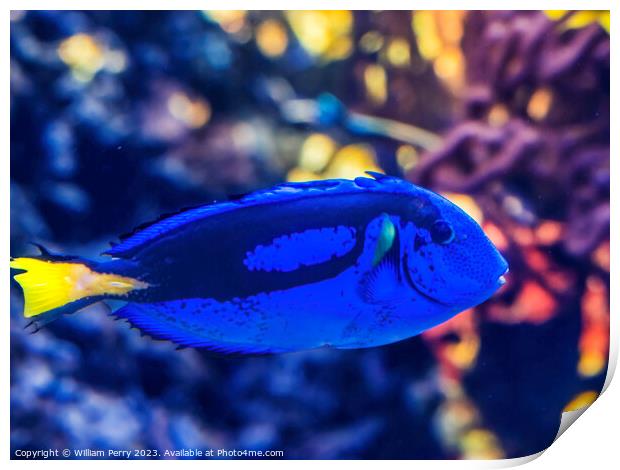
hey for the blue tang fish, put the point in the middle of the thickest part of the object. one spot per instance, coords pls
(338, 263)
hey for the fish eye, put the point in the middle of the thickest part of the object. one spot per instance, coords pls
(442, 232)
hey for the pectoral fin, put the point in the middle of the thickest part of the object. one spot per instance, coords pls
(382, 282)
(387, 234)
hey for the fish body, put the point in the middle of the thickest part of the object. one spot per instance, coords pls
(340, 263)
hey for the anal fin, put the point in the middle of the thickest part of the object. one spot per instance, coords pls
(157, 321)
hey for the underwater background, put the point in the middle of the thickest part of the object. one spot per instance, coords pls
(118, 117)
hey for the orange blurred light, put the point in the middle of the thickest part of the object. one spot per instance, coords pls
(351, 161)
(375, 80)
(536, 259)
(581, 400)
(523, 235)
(464, 321)
(467, 203)
(271, 38)
(455, 357)
(481, 444)
(427, 34)
(539, 104)
(84, 54)
(601, 256)
(594, 340)
(438, 36)
(582, 18)
(549, 232)
(316, 152)
(534, 303)
(231, 21)
(193, 113)
(398, 53)
(463, 354)
(450, 24)
(323, 33)
(560, 280)
(450, 67)
(301, 175)
(498, 115)
(496, 235)
(407, 157)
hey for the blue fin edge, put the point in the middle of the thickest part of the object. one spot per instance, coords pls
(286, 191)
(139, 316)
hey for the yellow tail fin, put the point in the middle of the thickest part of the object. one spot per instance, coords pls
(48, 284)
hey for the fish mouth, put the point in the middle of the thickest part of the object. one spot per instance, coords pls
(501, 280)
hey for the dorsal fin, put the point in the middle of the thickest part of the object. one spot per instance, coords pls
(376, 175)
(49, 255)
(146, 225)
(133, 241)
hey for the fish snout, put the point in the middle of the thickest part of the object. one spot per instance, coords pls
(501, 280)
